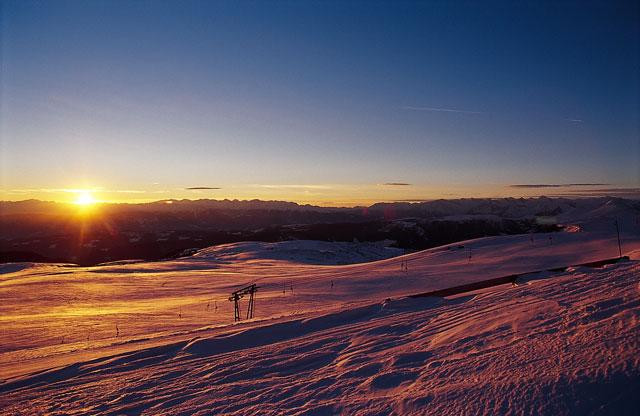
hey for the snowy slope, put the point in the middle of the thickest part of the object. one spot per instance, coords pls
(46, 309)
(299, 251)
(567, 345)
(158, 336)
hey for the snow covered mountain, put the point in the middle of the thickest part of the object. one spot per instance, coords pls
(550, 346)
(159, 337)
(50, 232)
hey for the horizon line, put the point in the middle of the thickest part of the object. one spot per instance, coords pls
(596, 195)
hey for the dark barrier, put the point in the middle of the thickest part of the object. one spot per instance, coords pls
(483, 284)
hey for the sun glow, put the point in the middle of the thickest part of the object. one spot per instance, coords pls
(85, 198)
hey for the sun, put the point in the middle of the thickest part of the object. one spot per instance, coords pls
(85, 198)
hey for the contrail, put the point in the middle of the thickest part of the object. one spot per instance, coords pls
(441, 110)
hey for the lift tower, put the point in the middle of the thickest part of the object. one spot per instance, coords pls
(239, 294)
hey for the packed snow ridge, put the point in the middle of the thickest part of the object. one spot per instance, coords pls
(301, 251)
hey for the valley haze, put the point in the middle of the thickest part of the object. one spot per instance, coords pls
(47, 231)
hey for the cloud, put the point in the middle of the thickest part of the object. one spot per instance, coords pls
(556, 185)
(441, 110)
(396, 184)
(199, 188)
(575, 120)
(294, 186)
(633, 193)
(413, 200)
(55, 190)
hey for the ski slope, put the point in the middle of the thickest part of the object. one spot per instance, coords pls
(158, 337)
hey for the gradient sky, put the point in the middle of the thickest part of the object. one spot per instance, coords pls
(323, 102)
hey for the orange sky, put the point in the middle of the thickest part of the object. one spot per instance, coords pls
(316, 194)
(279, 101)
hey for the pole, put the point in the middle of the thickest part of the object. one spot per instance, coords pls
(236, 308)
(250, 308)
(618, 233)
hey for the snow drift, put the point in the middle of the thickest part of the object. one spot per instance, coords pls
(158, 337)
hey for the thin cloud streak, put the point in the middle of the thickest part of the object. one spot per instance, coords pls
(441, 110)
(413, 200)
(200, 188)
(557, 185)
(633, 193)
(55, 190)
(396, 184)
(79, 190)
(294, 186)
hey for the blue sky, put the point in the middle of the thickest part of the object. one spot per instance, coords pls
(316, 101)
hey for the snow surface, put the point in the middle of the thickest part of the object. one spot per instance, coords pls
(300, 251)
(157, 337)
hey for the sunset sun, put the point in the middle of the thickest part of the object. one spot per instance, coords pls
(85, 198)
